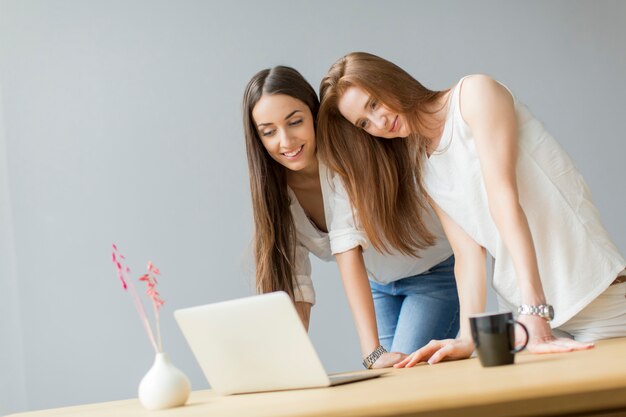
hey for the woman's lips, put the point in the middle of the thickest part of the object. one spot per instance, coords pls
(294, 154)
(394, 125)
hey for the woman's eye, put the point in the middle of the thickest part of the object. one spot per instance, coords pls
(267, 132)
(295, 122)
(373, 104)
(363, 124)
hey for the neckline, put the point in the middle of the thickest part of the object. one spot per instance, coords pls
(296, 203)
(448, 128)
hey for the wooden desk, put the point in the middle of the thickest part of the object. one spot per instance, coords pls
(592, 383)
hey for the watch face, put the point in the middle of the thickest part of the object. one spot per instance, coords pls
(550, 312)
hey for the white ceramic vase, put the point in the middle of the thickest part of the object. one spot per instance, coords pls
(164, 386)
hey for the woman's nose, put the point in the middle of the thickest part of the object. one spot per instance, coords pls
(379, 120)
(286, 139)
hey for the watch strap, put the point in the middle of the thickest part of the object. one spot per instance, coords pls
(373, 357)
(544, 311)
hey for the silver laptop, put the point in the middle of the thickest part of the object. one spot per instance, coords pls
(256, 344)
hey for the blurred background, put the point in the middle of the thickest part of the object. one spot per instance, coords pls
(120, 122)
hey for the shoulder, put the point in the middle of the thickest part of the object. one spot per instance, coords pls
(479, 87)
(480, 94)
(329, 180)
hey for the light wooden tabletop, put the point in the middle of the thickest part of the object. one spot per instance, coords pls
(555, 384)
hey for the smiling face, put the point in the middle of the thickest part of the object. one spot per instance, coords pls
(369, 114)
(285, 126)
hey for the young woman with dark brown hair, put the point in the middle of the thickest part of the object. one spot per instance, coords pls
(498, 182)
(301, 208)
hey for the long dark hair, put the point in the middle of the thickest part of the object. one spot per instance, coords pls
(274, 229)
(382, 176)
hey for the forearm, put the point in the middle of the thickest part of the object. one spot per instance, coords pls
(470, 272)
(512, 225)
(304, 311)
(358, 292)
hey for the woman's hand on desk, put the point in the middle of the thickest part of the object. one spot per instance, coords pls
(388, 359)
(543, 341)
(438, 350)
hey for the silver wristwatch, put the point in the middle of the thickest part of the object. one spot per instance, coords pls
(373, 357)
(545, 311)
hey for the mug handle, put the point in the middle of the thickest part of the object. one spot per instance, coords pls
(519, 349)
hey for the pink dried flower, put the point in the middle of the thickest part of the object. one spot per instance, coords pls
(123, 273)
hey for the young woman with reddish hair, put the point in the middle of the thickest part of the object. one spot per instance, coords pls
(498, 181)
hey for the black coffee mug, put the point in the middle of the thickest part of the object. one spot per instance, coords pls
(494, 337)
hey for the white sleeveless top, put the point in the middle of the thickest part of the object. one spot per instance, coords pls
(576, 258)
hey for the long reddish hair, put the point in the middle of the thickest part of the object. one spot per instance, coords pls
(382, 176)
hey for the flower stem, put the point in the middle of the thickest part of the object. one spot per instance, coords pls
(142, 312)
(158, 326)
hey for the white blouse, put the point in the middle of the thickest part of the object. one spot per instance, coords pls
(344, 234)
(576, 258)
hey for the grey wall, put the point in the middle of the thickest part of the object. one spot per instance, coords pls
(12, 388)
(122, 124)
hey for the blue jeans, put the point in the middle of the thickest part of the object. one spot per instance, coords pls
(412, 311)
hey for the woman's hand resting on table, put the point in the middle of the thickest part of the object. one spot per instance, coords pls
(438, 350)
(541, 338)
(541, 341)
(388, 359)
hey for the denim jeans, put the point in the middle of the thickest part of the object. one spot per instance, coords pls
(412, 311)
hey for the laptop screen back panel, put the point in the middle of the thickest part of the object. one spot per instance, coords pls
(252, 344)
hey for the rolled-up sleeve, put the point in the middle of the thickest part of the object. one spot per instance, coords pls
(303, 284)
(344, 233)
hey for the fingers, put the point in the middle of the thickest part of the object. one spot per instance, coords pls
(414, 359)
(441, 354)
(575, 345)
(420, 355)
(404, 361)
(557, 346)
(547, 348)
(410, 359)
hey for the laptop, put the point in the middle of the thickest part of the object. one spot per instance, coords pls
(256, 344)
